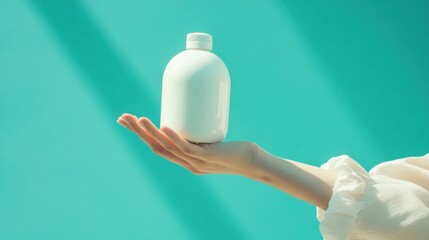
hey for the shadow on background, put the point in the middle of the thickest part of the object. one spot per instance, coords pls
(380, 72)
(118, 87)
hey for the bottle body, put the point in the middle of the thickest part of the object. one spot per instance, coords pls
(196, 96)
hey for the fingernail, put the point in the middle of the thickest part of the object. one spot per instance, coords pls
(120, 123)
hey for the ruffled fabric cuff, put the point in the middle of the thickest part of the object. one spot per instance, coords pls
(338, 221)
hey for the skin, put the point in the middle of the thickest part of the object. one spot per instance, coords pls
(306, 182)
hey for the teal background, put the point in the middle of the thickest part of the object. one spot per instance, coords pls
(309, 80)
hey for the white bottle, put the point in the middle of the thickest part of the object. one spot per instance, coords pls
(196, 92)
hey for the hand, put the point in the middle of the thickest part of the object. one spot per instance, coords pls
(306, 182)
(226, 157)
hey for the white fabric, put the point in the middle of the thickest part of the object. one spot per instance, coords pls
(390, 202)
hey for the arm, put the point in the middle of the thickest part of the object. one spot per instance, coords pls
(303, 181)
(306, 182)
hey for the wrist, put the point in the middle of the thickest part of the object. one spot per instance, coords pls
(257, 164)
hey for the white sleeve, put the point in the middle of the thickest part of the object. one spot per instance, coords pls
(366, 206)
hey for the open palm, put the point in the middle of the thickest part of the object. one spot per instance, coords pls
(223, 157)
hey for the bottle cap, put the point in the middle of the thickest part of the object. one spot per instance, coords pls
(199, 40)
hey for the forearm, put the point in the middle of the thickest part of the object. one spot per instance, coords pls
(306, 182)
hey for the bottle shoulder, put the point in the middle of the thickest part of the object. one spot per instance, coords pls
(200, 55)
(196, 59)
(194, 66)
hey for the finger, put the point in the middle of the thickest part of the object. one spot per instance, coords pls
(149, 139)
(156, 134)
(124, 123)
(159, 150)
(165, 141)
(185, 146)
(190, 163)
(123, 120)
(129, 121)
